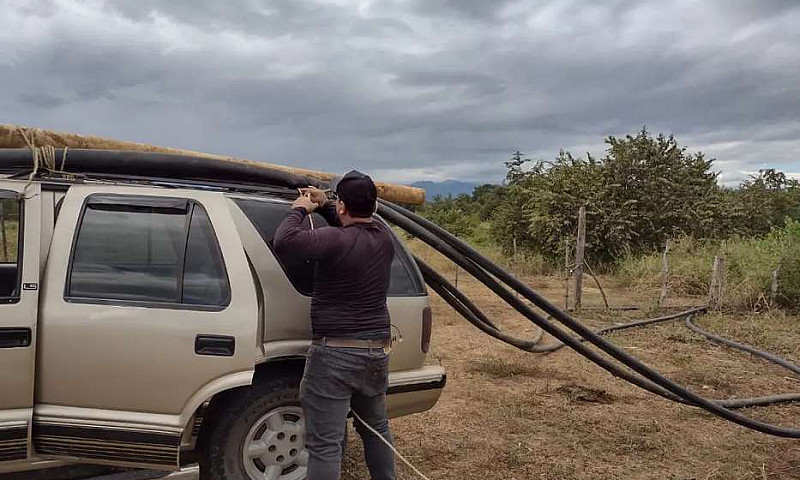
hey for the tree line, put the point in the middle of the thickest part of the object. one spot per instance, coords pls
(645, 189)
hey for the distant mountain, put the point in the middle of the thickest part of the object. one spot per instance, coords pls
(448, 188)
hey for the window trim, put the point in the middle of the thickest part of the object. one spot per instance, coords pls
(164, 203)
(13, 195)
(410, 266)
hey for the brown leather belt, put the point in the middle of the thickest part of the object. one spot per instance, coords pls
(352, 343)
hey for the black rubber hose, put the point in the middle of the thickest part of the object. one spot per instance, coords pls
(186, 167)
(476, 317)
(523, 308)
(614, 328)
(745, 348)
(469, 310)
(473, 314)
(635, 364)
(452, 296)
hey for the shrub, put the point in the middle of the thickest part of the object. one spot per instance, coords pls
(750, 263)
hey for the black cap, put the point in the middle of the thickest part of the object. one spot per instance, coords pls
(357, 191)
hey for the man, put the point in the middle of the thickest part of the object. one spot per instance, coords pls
(347, 365)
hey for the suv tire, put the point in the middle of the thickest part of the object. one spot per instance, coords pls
(256, 433)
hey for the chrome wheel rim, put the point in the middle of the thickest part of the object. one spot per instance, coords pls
(274, 448)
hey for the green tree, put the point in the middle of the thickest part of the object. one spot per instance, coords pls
(644, 190)
(457, 215)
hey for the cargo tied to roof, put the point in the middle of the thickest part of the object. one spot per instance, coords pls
(14, 136)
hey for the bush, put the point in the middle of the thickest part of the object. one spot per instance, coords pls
(789, 274)
(750, 263)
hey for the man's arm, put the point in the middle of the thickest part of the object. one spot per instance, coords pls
(290, 238)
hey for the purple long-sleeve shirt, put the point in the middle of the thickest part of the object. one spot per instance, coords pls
(351, 276)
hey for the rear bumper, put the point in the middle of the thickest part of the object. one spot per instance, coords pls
(414, 391)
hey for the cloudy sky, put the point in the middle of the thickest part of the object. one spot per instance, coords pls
(410, 89)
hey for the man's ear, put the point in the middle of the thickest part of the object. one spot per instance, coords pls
(341, 208)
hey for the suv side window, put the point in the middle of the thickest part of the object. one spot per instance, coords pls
(10, 246)
(267, 216)
(152, 250)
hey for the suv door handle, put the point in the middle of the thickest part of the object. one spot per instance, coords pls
(15, 337)
(215, 345)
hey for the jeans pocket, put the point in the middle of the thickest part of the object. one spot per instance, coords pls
(378, 375)
(314, 362)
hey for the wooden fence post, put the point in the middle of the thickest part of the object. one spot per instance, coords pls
(664, 275)
(567, 275)
(579, 251)
(773, 291)
(515, 264)
(717, 284)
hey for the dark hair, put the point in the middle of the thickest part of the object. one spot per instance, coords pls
(358, 193)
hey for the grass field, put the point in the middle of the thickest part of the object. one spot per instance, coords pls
(510, 415)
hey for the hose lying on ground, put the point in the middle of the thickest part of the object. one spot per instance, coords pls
(474, 315)
(481, 268)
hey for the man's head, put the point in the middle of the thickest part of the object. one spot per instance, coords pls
(357, 193)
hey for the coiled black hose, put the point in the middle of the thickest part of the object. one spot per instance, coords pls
(468, 258)
(473, 314)
(745, 348)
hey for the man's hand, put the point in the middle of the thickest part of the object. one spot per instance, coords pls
(315, 194)
(305, 202)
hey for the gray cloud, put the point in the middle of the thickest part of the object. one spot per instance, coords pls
(410, 89)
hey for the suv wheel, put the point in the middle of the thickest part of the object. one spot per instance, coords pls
(258, 434)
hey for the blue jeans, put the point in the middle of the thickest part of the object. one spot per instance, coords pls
(335, 380)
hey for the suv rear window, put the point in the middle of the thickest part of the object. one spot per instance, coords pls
(10, 261)
(147, 249)
(267, 216)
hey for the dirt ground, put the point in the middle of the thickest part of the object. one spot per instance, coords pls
(508, 414)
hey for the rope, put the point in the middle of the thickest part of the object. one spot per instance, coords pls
(388, 444)
(44, 156)
(35, 152)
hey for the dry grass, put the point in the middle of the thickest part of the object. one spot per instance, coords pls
(510, 415)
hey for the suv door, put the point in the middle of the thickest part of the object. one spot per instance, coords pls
(19, 300)
(149, 309)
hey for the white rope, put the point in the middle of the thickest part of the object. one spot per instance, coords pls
(35, 153)
(43, 157)
(388, 444)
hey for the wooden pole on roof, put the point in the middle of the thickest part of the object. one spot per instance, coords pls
(13, 136)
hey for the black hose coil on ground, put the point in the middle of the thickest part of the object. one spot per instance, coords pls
(480, 267)
(472, 313)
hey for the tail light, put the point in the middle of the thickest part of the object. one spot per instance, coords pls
(427, 322)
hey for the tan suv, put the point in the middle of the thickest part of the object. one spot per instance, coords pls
(152, 325)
